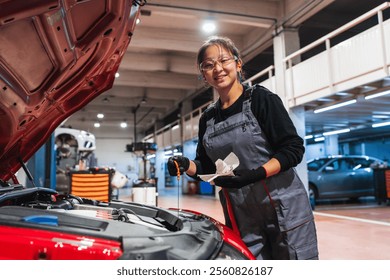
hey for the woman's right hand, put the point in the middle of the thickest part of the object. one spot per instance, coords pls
(182, 162)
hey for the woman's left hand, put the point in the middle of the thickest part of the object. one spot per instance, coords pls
(241, 178)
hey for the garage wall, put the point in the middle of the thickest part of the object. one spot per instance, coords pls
(378, 148)
(111, 153)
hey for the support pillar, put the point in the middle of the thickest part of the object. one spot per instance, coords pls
(331, 145)
(285, 43)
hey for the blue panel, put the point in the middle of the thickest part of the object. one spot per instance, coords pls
(206, 188)
(52, 166)
(42, 220)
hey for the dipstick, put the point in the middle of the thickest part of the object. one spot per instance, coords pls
(178, 185)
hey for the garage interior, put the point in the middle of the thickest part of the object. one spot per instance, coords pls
(158, 84)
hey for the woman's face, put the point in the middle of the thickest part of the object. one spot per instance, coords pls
(220, 67)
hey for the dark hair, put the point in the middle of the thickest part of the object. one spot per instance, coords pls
(224, 42)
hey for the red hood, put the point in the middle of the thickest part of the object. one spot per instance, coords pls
(55, 57)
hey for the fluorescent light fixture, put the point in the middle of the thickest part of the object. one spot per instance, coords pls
(338, 105)
(169, 152)
(375, 95)
(336, 132)
(380, 116)
(325, 99)
(123, 124)
(319, 139)
(308, 136)
(96, 124)
(100, 116)
(381, 124)
(343, 94)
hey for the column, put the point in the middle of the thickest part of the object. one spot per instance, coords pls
(331, 145)
(285, 43)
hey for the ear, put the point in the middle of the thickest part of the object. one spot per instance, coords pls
(239, 65)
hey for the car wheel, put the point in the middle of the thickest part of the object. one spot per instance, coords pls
(312, 196)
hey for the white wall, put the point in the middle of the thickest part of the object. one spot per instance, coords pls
(315, 150)
(111, 153)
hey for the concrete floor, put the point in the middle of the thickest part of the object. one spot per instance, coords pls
(346, 230)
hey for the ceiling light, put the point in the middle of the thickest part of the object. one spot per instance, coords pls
(117, 75)
(123, 124)
(325, 99)
(209, 26)
(137, 21)
(336, 132)
(319, 139)
(308, 136)
(343, 93)
(380, 116)
(96, 124)
(100, 116)
(380, 124)
(375, 95)
(338, 105)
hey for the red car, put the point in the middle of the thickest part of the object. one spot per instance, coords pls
(55, 57)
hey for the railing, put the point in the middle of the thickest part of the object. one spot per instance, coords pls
(329, 62)
(269, 70)
(190, 122)
(171, 134)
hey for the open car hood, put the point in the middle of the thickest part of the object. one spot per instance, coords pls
(55, 57)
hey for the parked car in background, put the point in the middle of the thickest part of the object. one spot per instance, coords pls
(341, 177)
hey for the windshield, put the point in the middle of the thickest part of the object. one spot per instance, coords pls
(316, 164)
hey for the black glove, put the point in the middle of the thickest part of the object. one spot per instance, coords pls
(241, 178)
(183, 162)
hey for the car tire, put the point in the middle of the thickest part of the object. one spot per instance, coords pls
(312, 196)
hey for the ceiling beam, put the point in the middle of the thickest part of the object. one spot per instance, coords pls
(170, 39)
(131, 102)
(249, 12)
(147, 92)
(158, 79)
(159, 62)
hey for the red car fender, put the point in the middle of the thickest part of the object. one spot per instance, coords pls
(34, 244)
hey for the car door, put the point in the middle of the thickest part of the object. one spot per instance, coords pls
(336, 179)
(362, 176)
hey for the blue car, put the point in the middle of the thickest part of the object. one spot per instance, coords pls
(341, 177)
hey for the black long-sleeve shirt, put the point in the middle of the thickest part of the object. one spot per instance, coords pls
(274, 120)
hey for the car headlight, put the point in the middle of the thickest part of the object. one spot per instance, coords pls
(228, 252)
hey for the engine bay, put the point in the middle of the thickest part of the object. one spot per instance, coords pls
(143, 230)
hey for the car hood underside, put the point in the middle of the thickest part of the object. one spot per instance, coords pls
(55, 57)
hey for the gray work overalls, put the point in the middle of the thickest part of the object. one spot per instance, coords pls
(273, 216)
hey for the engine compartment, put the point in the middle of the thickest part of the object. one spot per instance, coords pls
(145, 232)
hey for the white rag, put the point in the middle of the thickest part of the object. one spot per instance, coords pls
(224, 168)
